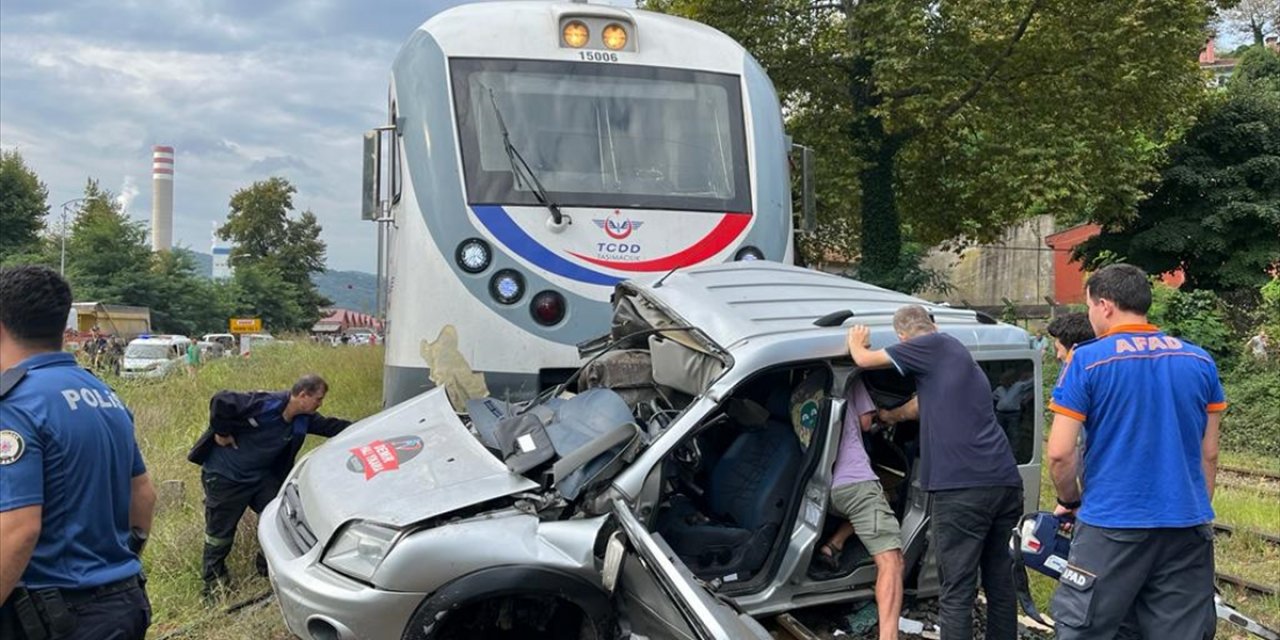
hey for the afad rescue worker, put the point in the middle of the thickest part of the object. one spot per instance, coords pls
(248, 449)
(1150, 406)
(76, 502)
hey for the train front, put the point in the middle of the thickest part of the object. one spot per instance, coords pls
(543, 153)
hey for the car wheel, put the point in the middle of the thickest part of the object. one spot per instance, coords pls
(510, 618)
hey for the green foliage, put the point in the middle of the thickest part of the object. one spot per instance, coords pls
(954, 120)
(1216, 211)
(1252, 423)
(1197, 316)
(275, 256)
(109, 260)
(23, 206)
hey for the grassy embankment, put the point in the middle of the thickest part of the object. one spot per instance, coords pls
(170, 415)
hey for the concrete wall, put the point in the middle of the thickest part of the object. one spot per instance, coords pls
(1019, 267)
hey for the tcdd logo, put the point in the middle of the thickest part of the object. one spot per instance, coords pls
(617, 227)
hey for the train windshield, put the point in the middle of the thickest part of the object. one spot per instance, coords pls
(602, 135)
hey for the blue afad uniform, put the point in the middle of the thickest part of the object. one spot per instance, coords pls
(67, 444)
(250, 474)
(1143, 546)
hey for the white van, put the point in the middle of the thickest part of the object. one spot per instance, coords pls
(153, 356)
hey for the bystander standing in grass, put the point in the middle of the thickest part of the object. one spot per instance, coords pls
(249, 447)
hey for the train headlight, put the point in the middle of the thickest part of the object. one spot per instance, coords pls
(473, 255)
(547, 308)
(748, 253)
(614, 36)
(576, 34)
(507, 286)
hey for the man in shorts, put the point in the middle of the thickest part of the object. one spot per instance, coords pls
(857, 495)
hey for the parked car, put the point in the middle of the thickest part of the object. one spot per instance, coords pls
(230, 343)
(680, 491)
(153, 356)
(210, 350)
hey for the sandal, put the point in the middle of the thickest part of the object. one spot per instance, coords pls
(829, 556)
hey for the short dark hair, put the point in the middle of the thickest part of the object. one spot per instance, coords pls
(309, 384)
(34, 304)
(1123, 284)
(1071, 328)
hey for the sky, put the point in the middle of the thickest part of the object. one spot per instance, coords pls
(243, 89)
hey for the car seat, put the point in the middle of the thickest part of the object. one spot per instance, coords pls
(748, 492)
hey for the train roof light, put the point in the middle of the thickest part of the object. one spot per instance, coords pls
(614, 36)
(576, 34)
(747, 254)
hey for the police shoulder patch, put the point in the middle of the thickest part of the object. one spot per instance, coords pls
(10, 379)
(12, 446)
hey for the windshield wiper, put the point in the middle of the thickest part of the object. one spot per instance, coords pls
(518, 162)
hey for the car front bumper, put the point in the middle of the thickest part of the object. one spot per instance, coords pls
(319, 603)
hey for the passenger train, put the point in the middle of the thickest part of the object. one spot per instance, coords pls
(537, 154)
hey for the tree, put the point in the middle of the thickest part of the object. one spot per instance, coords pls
(937, 121)
(1215, 213)
(279, 255)
(1253, 18)
(108, 258)
(23, 205)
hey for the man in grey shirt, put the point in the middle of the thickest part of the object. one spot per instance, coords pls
(967, 467)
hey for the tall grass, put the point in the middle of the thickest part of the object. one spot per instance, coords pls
(169, 415)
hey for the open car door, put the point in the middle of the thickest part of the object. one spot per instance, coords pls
(656, 594)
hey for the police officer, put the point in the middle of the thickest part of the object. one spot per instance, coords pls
(1150, 404)
(249, 447)
(76, 502)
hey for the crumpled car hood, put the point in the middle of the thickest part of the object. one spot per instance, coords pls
(408, 463)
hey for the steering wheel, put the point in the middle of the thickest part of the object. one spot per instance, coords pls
(689, 455)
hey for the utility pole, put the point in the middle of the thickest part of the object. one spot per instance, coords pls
(62, 265)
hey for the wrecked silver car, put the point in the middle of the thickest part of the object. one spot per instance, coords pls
(675, 487)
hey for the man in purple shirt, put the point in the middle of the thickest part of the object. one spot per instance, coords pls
(857, 495)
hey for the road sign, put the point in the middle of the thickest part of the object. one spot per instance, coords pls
(246, 325)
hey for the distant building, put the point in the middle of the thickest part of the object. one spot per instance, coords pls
(221, 258)
(1069, 274)
(338, 321)
(1218, 70)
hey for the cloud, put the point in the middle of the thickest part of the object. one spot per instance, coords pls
(242, 89)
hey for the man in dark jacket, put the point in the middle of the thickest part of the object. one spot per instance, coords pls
(252, 441)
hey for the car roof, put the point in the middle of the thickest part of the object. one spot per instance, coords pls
(161, 339)
(754, 301)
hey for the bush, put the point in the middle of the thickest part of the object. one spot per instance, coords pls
(1252, 422)
(1197, 316)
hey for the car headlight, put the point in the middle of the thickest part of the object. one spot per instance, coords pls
(360, 548)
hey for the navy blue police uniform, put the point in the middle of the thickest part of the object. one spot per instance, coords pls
(67, 445)
(248, 475)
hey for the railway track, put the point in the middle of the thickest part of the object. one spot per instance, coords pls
(1255, 473)
(1247, 585)
(1228, 529)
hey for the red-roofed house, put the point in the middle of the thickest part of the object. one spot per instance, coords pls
(337, 321)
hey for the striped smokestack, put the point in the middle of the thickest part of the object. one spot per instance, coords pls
(161, 198)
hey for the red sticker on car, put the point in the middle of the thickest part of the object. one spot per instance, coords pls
(380, 456)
